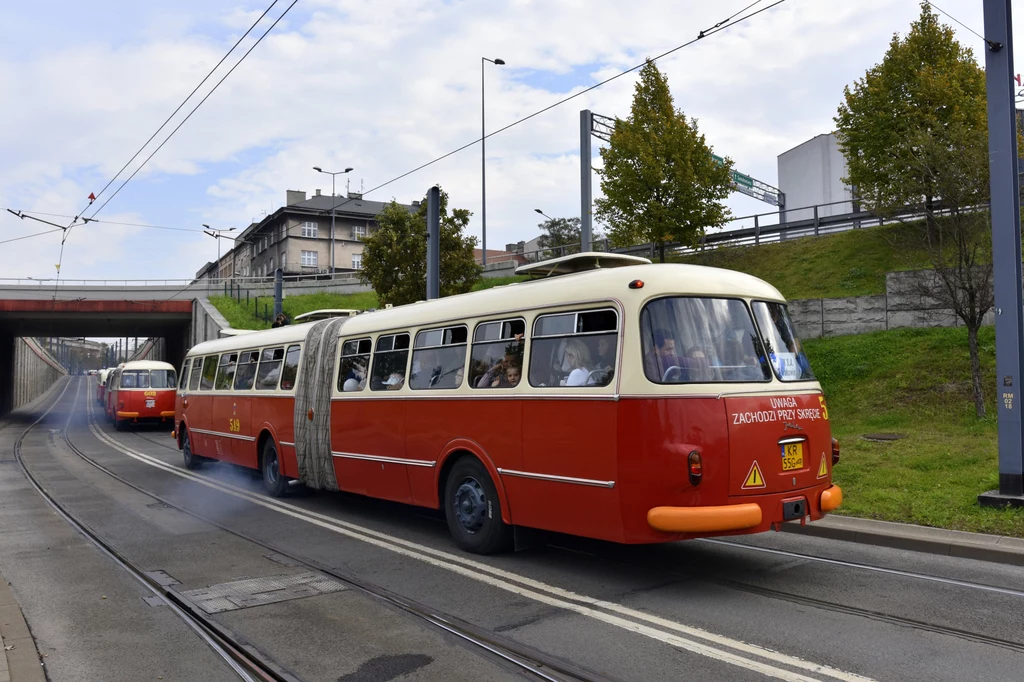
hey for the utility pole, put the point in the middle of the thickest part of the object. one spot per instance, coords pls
(433, 243)
(1006, 252)
(586, 188)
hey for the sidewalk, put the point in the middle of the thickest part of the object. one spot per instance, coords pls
(995, 548)
(20, 660)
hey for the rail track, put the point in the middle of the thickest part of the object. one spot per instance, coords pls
(533, 663)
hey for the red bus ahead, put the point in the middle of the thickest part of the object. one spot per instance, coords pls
(631, 403)
(141, 391)
(101, 385)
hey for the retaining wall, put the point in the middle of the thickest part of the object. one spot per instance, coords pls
(900, 306)
(34, 371)
(206, 321)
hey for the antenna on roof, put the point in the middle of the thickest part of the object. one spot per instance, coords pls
(348, 185)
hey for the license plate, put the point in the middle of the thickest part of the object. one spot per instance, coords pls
(792, 456)
(150, 403)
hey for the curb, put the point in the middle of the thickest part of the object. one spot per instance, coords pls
(955, 543)
(20, 661)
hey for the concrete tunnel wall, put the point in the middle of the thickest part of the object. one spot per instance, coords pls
(33, 371)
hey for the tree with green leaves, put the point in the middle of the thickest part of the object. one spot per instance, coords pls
(660, 181)
(562, 236)
(926, 82)
(395, 255)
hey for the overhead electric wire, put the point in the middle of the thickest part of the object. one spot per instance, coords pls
(194, 109)
(67, 231)
(174, 113)
(34, 234)
(942, 11)
(28, 214)
(720, 26)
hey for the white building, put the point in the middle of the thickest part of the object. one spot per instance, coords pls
(810, 174)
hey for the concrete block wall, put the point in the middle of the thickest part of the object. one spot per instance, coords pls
(206, 321)
(35, 371)
(902, 305)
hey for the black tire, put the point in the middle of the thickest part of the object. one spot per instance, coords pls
(119, 424)
(275, 484)
(192, 461)
(473, 510)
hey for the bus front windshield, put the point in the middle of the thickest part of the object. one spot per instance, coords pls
(688, 339)
(784, 350)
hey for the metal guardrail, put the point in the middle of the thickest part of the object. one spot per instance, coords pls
(757, 234)
(205, 283)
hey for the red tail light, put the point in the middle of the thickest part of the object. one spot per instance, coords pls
(835, 452)
(695, 468)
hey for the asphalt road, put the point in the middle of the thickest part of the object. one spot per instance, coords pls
(770, 606)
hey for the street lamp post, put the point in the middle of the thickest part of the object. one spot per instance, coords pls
(543, 214)
(216, 234)
(483, 158)
(318, 169)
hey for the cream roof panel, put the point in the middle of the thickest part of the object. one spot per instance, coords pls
(291, 333)
(659, 279)
(147, 364)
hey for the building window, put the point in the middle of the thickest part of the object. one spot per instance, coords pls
(309, 259)
(357, 261)
(358, 232)
(284, 259)
(270, 264)
(309, 229)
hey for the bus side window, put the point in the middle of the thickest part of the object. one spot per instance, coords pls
(290, 369)
(246, 372)
(574, 349)
(184, 374)
(497, 357)
(354, 365)
(389, 362)
(209, 373)
(269, 369)
(226, 371)
(439, 358)
(197, 373)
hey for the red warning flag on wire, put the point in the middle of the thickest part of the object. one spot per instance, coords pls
(92, 197)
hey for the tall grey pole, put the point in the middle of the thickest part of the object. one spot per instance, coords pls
(483, 169)
(1006, 251)
(586, 191)
(333, 204)
(278, 291)
(433, 243)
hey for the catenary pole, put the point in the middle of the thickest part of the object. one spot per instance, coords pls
(586, 190)
(1006, 251)
(433, 243)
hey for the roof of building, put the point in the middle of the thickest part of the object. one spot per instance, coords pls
(321, 205)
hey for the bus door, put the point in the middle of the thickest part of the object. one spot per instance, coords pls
(240, 426)
(226, 423)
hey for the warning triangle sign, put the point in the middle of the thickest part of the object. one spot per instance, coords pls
(823, 467)
(754, 477)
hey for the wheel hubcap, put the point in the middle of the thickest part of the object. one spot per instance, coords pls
(272, 468)
(470, 505)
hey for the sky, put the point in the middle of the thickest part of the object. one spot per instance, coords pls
(382, 87)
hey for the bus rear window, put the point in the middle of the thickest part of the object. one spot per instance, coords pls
(784, 351)
(701, 340)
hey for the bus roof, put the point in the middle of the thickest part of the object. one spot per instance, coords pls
(146, 364)
(265, 337)
(325, 313)
(579, 262)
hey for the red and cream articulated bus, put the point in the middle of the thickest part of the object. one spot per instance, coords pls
(141, 391)
(629, 402)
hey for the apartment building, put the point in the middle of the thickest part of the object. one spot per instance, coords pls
(297, 236)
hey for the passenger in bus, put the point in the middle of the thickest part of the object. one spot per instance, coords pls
(660, 359)
(578, 357)
(394, 382)
(460, 374)
(605, 357)
(698, 368)
(495, 376)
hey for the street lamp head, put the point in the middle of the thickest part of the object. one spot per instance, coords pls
(348, 170)
(318, 169)
(230, 229)
(539, 211)
(499, 62)
(207, 226)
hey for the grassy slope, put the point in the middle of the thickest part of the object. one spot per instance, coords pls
(914, 382)
(850, 263)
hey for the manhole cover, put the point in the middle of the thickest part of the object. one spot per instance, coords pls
(883, 437)
(242, 594)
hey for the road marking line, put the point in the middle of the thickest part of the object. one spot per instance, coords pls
(501, 579)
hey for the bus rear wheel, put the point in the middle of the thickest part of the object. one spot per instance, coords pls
(473, 510)
(275, 484)
(192, 461)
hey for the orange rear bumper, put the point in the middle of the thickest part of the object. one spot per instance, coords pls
(831, 498)
(704, 519)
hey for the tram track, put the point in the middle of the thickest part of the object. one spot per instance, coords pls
(247, 665)
(535, 663)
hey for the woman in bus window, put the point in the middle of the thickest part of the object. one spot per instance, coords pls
(577, 356)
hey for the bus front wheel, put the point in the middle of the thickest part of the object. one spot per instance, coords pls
(473, 510)
(192, 461)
